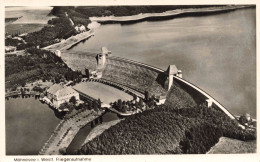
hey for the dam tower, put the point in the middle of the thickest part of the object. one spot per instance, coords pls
(101, 57)
(171, 71)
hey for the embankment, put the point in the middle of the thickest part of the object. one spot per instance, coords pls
(178, 13)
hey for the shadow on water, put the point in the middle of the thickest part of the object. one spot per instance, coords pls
(80, 137)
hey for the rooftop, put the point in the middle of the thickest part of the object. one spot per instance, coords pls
(61, 91)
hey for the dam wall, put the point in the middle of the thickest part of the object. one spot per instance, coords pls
(79, 60)
(138, 76)
(197, 94)
(201, 95)
(135, 75)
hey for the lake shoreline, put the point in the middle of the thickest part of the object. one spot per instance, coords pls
(179, 13)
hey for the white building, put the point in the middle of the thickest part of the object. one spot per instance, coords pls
(80, 28)
(59, 94)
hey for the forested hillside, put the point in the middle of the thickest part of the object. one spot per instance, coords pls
(36, 64)
(167, 131)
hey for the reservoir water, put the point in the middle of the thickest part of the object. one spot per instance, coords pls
(29, 124)
(216, 52)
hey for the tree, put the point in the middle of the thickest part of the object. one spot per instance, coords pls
(141, 103)
(57, 80)
(119, 104)
(99, 103)
(134, 96)
(73, 100)
(80, 106)
(146, 94)
(90, 107)
(67, 106)
(124, 108)
(95, 105)
(87, 73)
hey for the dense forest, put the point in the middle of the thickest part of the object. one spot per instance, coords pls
(90, 11)
(36, 64)
(193, 130)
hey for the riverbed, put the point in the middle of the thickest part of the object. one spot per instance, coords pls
(216, 52)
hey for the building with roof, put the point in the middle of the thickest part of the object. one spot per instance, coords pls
(80, 28)
(58, 94)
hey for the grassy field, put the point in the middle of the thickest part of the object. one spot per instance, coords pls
(22, 28)
(233, 146)
(106, 93)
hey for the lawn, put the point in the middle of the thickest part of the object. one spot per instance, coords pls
(106, 93)
(233, 146)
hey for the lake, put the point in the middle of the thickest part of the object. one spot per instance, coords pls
(29, 124)
(217, 52)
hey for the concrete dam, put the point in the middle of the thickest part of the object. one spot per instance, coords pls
(138, 76)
